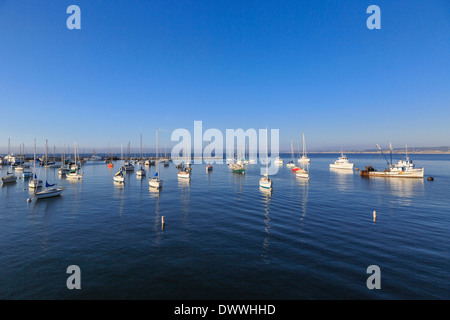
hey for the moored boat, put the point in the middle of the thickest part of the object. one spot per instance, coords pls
(49, 192)
(402, 169)
(342, 163)
(119, 177)
(9, 178)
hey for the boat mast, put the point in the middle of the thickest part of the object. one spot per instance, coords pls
(304, 146)
(34, 157)
(267, 153)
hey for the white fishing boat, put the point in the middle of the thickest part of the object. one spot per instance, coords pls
(9, 178)
(304, 158)
(119, 177)
(402, 169)
(265, 182)
(49, 192)
(342, 163)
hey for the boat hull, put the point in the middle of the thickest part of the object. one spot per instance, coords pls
(265, 184)
(49, 193)
(9, 179)
(389, 174)
(347, 166)
(155, 183)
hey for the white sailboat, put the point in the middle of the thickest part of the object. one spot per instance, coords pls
(35, 182)
(265, 182)
(185, 173)
(304, 158)
(119, 177)
(75, 172)
(302, 173)
(64, 169)
(155, 182)
(141, 172)
(291, 163)
(49, 192)
(128, 166)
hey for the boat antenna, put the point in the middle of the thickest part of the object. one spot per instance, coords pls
(390, 151)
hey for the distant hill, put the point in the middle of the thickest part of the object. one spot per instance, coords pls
(412, 150)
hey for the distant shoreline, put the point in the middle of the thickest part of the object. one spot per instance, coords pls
(386, 152)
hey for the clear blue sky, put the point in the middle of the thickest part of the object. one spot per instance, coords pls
(298, 66)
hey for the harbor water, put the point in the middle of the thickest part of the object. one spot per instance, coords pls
(225, 238)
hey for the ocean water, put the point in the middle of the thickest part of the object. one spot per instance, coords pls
(224, 238)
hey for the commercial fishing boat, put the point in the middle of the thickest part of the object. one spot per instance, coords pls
(402, 169)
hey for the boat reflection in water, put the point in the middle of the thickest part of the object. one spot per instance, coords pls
(266, 200)
(404, 191)
(342, 178)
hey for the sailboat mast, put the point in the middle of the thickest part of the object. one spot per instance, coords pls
(304, 145)
(157, 167)
(267, 152)
(141, 146)
(34, 157)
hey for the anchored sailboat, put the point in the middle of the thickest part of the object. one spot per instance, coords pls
(35, 182)
(304, 158)
(75, 171)
(266, 182)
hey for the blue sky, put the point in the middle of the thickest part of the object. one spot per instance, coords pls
(309, 66)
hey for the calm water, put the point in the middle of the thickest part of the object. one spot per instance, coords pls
(226, 239)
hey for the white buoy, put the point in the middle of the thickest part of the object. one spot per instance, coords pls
(162, 222)
(374, 216)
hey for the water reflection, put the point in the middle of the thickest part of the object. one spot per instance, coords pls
(342, 178)
(266, 198)
(184, 187)
(405, 190)
(304, 186)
